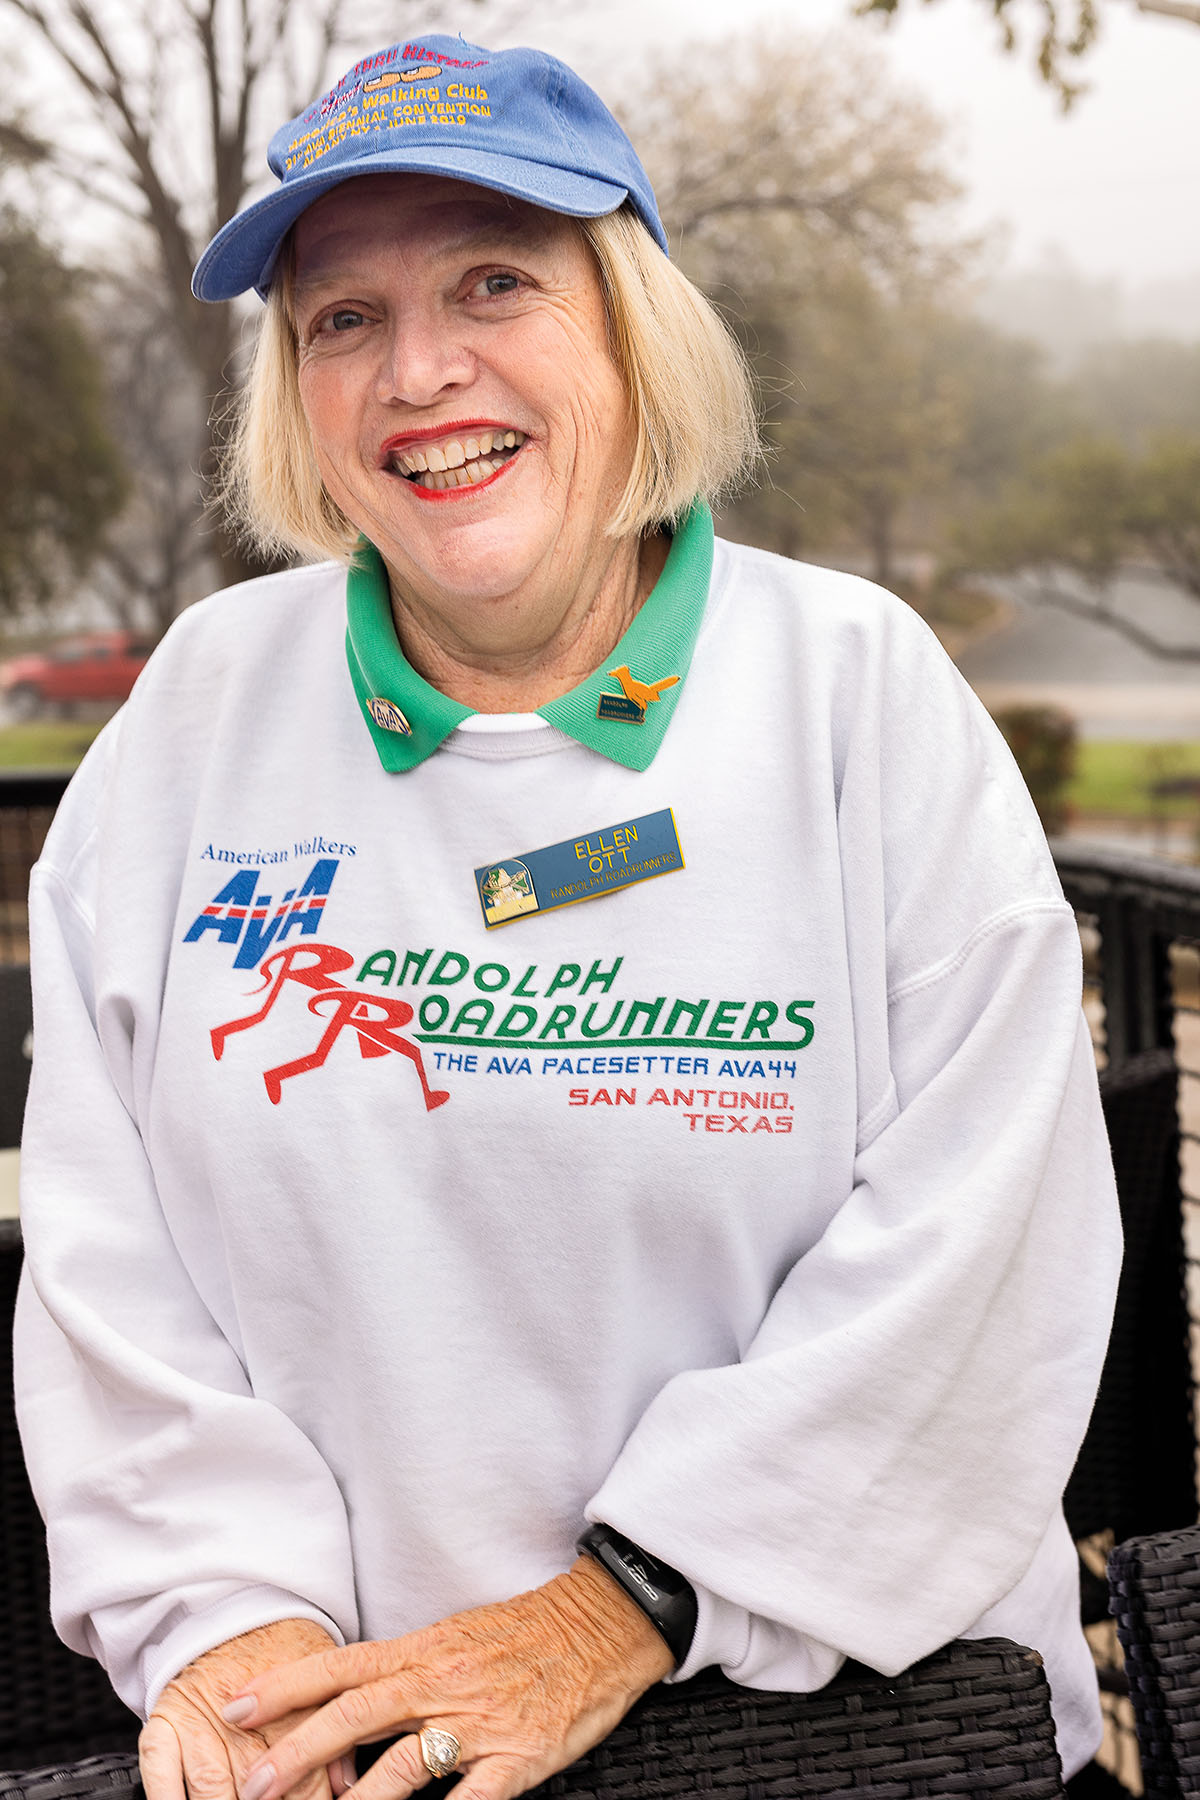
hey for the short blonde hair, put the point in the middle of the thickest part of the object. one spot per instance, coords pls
(690, 390)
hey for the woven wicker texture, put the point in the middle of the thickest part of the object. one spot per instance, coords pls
(111, 1777)
(1136, 1469)
(972, 1719)
(1155, 1586)
(53, 1704)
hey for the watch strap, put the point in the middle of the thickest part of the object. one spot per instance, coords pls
(668, 1601)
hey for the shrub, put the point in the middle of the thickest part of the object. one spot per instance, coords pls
(1043, 740)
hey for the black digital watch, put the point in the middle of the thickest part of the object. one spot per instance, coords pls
(668, 1601)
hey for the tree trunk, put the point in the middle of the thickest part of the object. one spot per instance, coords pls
(879, 531)
(212, 333)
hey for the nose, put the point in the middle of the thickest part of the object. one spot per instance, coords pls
(425, 357)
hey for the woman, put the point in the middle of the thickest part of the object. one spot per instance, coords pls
(746, 1196)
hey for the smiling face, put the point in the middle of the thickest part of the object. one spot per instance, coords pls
(464, 406)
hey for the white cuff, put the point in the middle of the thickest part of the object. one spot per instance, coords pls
(188, 1635)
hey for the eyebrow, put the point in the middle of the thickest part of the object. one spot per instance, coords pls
(500, 226)
(507, 229)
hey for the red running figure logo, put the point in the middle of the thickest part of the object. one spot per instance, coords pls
(375, 1019)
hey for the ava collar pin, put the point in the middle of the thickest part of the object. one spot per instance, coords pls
(388, 717)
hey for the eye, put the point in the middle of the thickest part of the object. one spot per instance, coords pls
(336, 321)
(496, 286)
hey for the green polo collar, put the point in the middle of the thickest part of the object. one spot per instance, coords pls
(658, 644)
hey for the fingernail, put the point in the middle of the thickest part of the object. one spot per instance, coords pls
(258, 1782)
(239, 1710)
(342, 1775)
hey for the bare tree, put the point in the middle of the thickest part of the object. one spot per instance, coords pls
(807, 194)
(1065, 34)
(161, 109)
(800, 148)
(1085, 514)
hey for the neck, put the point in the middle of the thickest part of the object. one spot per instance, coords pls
(533, 666)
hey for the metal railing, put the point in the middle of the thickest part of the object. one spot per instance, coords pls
(27, 803)
(1139, 921)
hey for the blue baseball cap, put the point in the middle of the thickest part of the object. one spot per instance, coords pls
(517, 121)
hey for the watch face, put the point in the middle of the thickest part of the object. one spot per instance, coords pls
(638, 1573)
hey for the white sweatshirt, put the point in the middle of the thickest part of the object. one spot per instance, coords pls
(762, 1210)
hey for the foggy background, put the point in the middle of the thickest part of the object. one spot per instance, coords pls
(975, 315)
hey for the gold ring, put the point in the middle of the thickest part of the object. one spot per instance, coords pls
(441, 1751)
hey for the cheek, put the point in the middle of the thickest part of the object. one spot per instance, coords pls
(603, 424)
(599, 388)
(582, 391)
(330, 406)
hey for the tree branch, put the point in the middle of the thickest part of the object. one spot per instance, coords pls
(19, 145)
(162, 207)
(1097, 614)
(840, 206)
(1171, 9)
(52, 37)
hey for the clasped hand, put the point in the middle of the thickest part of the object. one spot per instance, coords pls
(526, 1686)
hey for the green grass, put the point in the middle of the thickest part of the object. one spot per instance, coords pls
(1114, 776)
(46, 744)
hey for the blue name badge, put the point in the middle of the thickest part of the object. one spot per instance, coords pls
(582, 868)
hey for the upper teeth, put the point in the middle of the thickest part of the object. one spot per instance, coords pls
(456, 453)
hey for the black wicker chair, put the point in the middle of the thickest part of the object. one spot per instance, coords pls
(972, 1720)
(53, 1703)
(1136, 1470)
(1155, 1587)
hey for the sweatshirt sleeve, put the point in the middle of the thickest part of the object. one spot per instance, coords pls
(881, 1467)
(181, 1510)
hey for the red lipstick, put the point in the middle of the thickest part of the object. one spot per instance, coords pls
(455, 428)
(459, 493)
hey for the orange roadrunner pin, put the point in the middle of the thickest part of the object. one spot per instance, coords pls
(635, 696)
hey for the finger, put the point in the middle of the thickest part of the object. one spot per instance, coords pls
(355, 1717)
(342, 1775)
(399, 1772)
(309, 1681)
(316, 1787)
(161, 1761)
(495, 1778)
(207, 1771)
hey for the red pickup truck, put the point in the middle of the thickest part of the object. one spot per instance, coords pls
(95, 666)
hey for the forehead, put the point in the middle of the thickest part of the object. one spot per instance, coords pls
(418, 215)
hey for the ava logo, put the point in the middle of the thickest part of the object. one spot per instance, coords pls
(240, 916)
(388, 717)
(375, 1019)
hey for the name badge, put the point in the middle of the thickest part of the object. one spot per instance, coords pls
(581, 868)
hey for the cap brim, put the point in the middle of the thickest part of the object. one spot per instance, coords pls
(243, 253)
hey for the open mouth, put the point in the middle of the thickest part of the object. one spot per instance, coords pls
(462, 462)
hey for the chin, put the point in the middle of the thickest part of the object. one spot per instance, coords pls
(484, 556)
